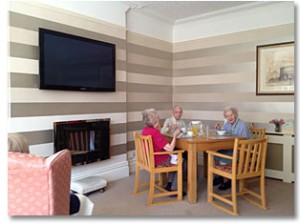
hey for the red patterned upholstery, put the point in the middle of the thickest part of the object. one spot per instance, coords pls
(39, 186)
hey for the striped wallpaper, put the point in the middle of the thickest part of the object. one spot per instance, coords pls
(33, 111)
(212, 73)
(202, 75)
(149, 80)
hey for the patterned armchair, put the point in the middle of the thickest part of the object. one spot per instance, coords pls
(39, 186)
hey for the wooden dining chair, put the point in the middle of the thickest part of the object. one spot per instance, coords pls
(145, 161)
(257, 132)
(248, 161)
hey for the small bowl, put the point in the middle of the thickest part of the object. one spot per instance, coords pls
(221, 132)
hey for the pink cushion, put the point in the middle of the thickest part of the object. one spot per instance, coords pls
(37, 185)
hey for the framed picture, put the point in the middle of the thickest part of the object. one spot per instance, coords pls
(275, 69)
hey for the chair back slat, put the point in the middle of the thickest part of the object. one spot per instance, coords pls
(258, 133)
(251, 156)
(144, 153)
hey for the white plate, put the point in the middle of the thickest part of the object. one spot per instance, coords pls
(184, 136)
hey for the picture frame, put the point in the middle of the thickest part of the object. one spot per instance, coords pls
(275, 69)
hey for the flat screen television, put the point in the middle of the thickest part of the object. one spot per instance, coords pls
(69, 62)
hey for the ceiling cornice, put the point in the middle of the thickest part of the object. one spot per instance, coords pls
(212, 16)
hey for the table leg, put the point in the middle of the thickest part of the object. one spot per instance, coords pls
(192, 174)
(204, 164)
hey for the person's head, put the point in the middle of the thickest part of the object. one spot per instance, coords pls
(150, 117)
(17, 143)
(231, 114)
(177, 112)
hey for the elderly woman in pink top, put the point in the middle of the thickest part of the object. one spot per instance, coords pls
(151, 120)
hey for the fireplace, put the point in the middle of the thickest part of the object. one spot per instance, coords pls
(88, 140)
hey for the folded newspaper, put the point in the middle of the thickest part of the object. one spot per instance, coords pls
(174, 159)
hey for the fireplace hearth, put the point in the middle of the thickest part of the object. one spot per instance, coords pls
(88, 140)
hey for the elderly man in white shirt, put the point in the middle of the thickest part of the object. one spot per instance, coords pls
(174, 122)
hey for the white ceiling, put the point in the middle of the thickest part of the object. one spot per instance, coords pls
(181, 11)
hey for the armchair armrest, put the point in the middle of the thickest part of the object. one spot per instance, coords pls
(169, 153)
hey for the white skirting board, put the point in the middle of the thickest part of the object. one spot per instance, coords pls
(111, 169)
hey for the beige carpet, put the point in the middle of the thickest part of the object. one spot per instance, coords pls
(118, 200)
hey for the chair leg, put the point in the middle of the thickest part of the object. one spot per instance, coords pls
(209, 186)
(137, 180)
(151, 189)
(234, 197)
(209, 179)
(263, 192)
(179, 185)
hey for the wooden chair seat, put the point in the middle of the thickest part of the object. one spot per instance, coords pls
(248, 162)
(145, 161)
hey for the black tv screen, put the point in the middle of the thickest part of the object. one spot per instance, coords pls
(69, 62)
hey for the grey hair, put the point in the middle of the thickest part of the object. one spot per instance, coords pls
(234, 110)
(17, 143)
(177, 106)
(150, 117)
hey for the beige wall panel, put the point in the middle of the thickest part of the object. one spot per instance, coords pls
(265, 117)
(214, 79)
(22, 95)
(23, 36)
(261, 107)
(148, 61)
(121, 76)
(214, 60)
(22, 80)
(217, 69)
(149, 97)
(68, 18)
(131, 107)
(137, 116)
(120, 54)
(142, 40)
(19, 80)
(255, 117)
(142, 69)
(241, 37)
(227, 97)
(23, 51)
(216, 88)
(213, 51)
(144, 88)
(23, 65)
(48, 109)
(143, 50)
(148, 79)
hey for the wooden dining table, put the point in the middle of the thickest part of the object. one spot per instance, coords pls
(200, 143)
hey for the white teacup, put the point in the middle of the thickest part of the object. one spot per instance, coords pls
(189, 133)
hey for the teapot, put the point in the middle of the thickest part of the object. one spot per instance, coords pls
(196, 127)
